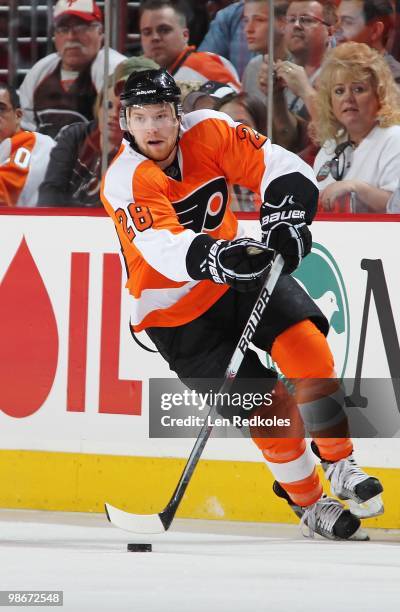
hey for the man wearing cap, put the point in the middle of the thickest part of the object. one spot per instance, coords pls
(207, 96)
(61, 88)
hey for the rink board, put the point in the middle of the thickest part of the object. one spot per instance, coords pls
(219, 490)
(73, 397)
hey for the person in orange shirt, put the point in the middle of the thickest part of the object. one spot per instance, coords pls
(193, 279)
(164, 36)
(23, 155)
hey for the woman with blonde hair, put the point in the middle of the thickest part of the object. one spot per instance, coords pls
(357, 123)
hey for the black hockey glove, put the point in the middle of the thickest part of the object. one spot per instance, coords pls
(284, 229)
(241, 263)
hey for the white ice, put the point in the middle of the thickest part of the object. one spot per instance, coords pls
(197, 566)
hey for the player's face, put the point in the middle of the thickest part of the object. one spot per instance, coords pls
(355, 105)
(255, 21)
(77, 42)
(162, 35)
(155, 129)
(10, 118)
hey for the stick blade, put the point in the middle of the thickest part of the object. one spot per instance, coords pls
(135, 523)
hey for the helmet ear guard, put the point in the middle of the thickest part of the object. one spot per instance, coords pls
(178, 110)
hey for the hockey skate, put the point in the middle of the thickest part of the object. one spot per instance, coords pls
(327, 517)
(351, 484)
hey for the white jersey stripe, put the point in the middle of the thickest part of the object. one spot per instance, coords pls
(157, 299)
(295, 470)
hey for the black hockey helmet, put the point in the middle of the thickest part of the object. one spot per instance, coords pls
(149, 87)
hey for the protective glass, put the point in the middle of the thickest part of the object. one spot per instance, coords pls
(152, 116)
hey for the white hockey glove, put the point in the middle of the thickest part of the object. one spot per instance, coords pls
(284, 229)
(241, 263)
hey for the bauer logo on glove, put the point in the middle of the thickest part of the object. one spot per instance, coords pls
(285, 215)
(284, 229)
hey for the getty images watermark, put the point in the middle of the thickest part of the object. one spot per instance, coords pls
(225, 402)
(178, 411)
(370, 409)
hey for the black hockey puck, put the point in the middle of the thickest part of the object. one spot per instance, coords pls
(139, 547)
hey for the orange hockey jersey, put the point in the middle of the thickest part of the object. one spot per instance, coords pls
(23, 162)
(158, 216)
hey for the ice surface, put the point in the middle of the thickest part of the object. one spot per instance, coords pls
(198, 566)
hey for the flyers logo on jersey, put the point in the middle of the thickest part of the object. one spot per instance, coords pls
(204, 208)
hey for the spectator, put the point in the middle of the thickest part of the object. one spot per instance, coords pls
(74, 173)
(307, 36)
(358, 125)
(256, 23)
(164, 34)
(61, 88)
(370, 22)
(226, 37)
(207, 96)
(23, 155)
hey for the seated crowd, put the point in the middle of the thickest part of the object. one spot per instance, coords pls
(331, 74)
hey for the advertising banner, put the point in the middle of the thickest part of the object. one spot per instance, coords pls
(73, 379)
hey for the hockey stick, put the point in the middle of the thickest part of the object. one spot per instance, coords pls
(159, 523)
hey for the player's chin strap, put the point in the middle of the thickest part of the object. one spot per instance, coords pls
(143, 346)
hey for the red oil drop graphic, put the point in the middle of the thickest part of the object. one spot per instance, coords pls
(28, 337)
(116, 396)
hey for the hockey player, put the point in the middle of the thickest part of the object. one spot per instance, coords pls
(23, 155)
(193, 278)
